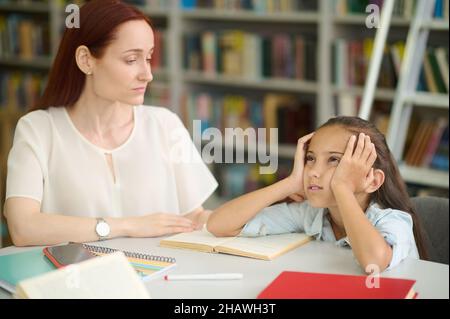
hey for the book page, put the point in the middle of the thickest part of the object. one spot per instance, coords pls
(200, 240)
(106, 277)
(264, 247)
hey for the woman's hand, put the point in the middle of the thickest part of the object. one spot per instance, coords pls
(159, 224)
(354, 170)
(296, 177)
(199, 217)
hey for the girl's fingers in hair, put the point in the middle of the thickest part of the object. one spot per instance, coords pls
(367, 148)
(359, 146)
(369, 179)
(302, 142)
(372, 156)
(350, 146)
(304, 139)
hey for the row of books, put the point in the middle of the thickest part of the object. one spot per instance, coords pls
(258, 6)
(158, 95)
(239, 179)
(160, 52)
(20, 90)
(402, 8)
(427, 145)
(251, 55)
(351, 60)
(23, 36)
(292, 117)
(159, 4)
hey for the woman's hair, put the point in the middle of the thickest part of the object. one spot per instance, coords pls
(99, 20)
(393, 193)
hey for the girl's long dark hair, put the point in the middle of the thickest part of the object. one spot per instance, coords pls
(393, 192)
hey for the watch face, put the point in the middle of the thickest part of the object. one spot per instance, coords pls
(102, 229)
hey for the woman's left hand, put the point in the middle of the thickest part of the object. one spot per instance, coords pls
(354, 170)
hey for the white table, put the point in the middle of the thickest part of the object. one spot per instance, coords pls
(432, 278)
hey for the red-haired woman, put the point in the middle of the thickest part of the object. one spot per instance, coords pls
(90, 162)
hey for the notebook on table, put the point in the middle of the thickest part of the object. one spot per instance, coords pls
(23, 265)
(264, 247)
(105, 277)
(306, 285)
(147, 266)
(19, 266)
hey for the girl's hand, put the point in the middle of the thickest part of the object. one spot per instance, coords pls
(296, 177)
(159, 224)
(354, 170)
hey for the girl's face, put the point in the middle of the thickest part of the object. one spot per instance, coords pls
(324, 152)
(123, 72)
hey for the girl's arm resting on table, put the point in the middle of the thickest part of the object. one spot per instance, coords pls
(29, 226)
(230, 218)
(368, 245)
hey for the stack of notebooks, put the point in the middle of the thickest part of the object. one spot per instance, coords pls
(19, 266)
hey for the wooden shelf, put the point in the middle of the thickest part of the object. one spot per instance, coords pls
(25, 8)
(433, 100)
(248, 16)
(154, 12)
(35, 62)
(360, 19)
(262, 84)
(424, 176)
(380, 94)
(436, 25)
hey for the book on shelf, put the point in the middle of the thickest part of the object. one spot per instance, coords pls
(24, 37)
(106, 277)
(20, 90)
(308, 285)
(265, 247)
(266, 6)
(427, 142)
(289, 115)
(248, 55)
(239, 179)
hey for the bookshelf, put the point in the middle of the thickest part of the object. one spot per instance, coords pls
(323, 21)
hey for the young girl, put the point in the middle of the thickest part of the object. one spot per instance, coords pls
(355, 196)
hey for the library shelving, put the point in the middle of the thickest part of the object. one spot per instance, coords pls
(321, 21)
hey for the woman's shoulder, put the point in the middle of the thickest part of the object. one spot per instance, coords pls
(38, 121)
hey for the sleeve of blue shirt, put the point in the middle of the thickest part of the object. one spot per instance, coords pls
(277, 219)
(397, 229)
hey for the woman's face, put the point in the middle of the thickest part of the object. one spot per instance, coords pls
(123, 72)
(324, 152)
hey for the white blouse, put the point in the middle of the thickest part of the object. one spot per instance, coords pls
(157, 170)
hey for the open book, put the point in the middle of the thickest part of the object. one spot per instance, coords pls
(264, 247)
(106, 277)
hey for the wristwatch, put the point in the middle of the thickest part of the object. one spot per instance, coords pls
(102, 229)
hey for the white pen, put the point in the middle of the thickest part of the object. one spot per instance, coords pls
(225, 276)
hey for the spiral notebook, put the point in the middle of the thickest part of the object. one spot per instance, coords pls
(147, 266)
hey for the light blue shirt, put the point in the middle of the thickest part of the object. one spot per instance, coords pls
(394, 225)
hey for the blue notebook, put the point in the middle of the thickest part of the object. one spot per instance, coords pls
(23, 265)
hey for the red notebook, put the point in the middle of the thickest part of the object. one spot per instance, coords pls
(304, 285)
